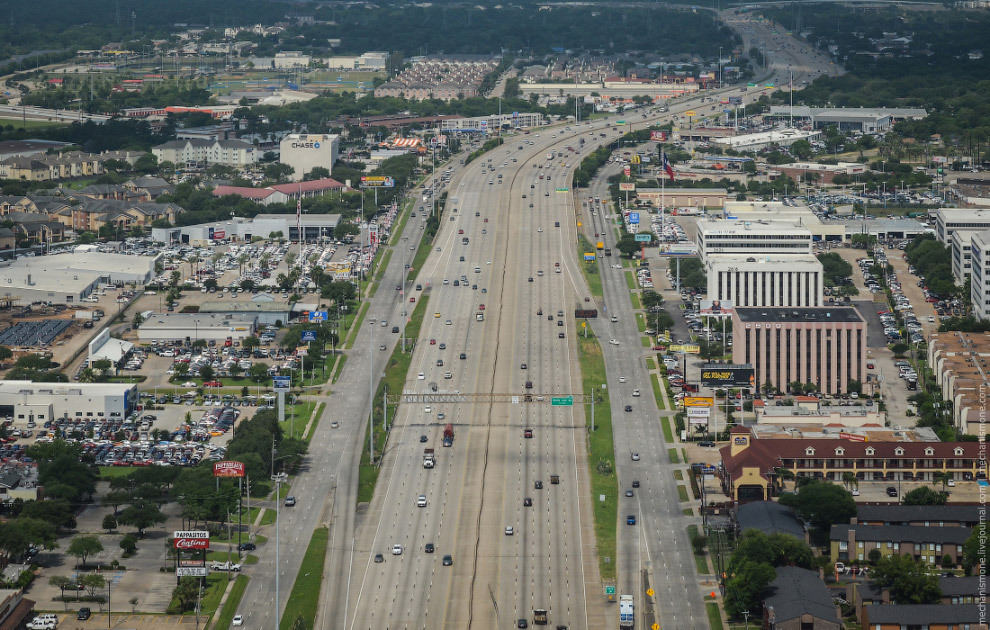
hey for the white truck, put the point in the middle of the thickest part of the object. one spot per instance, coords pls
(627, 617)
(429, 458)
(225, 566)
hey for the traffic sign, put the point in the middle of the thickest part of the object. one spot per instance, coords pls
(644, 238)
(690, 113)
(655, 626)
(562, 401)
(563, 189)
(307, 335)
(620, 122)
(649, 592)
(610, 590)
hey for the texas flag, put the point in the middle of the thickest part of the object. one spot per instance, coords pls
(666, 167)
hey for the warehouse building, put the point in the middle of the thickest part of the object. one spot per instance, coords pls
(28, 403)
(304, 152)
(766, 280)
(683, 197)
(194, 326)
(69, 277)
(752, 238)
(823, 346)
(238, 229)
(862, 119)
(764, 139)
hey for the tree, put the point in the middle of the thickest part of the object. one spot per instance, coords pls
(628, 245)
(776, 550)
(822, 504)
(133, 602)
(975, 549)
(651, 299)
(61, 582)
(206, 373)
(109, 523)
(147, 163)
(250, 343)
(84, 546)
(744, 588)
(278, 172)
(129, 544)
(801, 149)
(318, 172)
(258, 372)
(141, 515)
(908, 580)
(57, 512)
(925, 496)
(103, 365)
(5, 353)
(18, 535)
(92, 581)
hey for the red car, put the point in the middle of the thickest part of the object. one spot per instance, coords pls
(212, 384)
(433, 342)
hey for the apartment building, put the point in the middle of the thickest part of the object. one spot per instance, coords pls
(195, 152)
(853, 543)
(961, 368)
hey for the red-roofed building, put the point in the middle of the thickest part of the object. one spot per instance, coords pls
(749, 469)
(282, 193)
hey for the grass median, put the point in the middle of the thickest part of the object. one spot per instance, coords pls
(352, 332)
(226, 615)
(658, 391)
(305, 596)
(589, 268)
(601, 454)
(396, 373)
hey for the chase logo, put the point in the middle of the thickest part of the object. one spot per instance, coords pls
(316, 145)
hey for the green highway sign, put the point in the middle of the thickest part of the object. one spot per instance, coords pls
(565, 189)
(750, 85)
(620, 122)
(610, 590)
(562, 401)
(644, 238)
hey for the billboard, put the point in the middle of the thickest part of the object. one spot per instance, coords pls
(191, 572)
(191, 540)
(715, 308)
(626, 171)
(627, 186)
(852, 437)
(658, 136)
(317, 316)
(633, 218)
(699, 412)
(589, 256)
(228, 468)
(727, 375)
(377, 181)
(281, 383)
(679, 249)
(698, 401)
(691, 348)
(309, 335)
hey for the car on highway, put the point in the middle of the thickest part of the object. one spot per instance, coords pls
(631, 519)
(635, 457)
(629, 493)
(423, 438)
(635, 483)
(448, 560)
(379, 558)
(509, 531)
(396, 550)
(429, 548)
(421, 501)
(628, 408)
(538, 484)
(635, 393)
(238, 620)
(290, 501)
(248, 546)
(527, 502)
(443, 346)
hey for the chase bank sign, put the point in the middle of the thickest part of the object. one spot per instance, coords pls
(305, 145)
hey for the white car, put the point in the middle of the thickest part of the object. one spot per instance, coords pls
(614, 342)
(509, 531)
(636, 393)
(622, 379)
(396, 550)
(238, 620)
(421, 501)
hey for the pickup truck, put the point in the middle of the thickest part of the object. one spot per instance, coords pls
(225, 566)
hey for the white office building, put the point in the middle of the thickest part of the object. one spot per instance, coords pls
(30, 403)
(493, 122)
(961, 244)
(948, 220)
(979, 290)
(792, 280)
(764, 139)
(304, 152)
(67, 278)
(752, 238)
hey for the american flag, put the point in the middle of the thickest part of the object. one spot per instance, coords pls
(299, 215)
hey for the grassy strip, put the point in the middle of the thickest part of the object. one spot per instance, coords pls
(589, 269)
(316, 421)
(645, 342)
(682, 493)
(297, 416)
(356, 325)
(700, 560)
(637, 301)
(630, 280)
(679, 474)
(668, 435)
(382, 266)
(673, 456)
(339, 369)
(396, 373)
(641, 322)
(657, 392)
(601, 454)
(109, 472)
(684, 455)
(226, 615)
(688, 511)
(305, 596)
(248, 516)
(422, 253)
(714, 616)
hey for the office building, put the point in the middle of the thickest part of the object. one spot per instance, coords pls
(752, 238)
(961, 244)
(304, 152)
(823, 346)
(765, 139)
(765, 280)
(30, 403)
(793, 212)
(948, 220)
(979, 289)
(493, 122)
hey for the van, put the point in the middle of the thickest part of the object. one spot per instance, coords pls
(477, 269)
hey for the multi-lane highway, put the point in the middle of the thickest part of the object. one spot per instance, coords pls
(480, 484)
